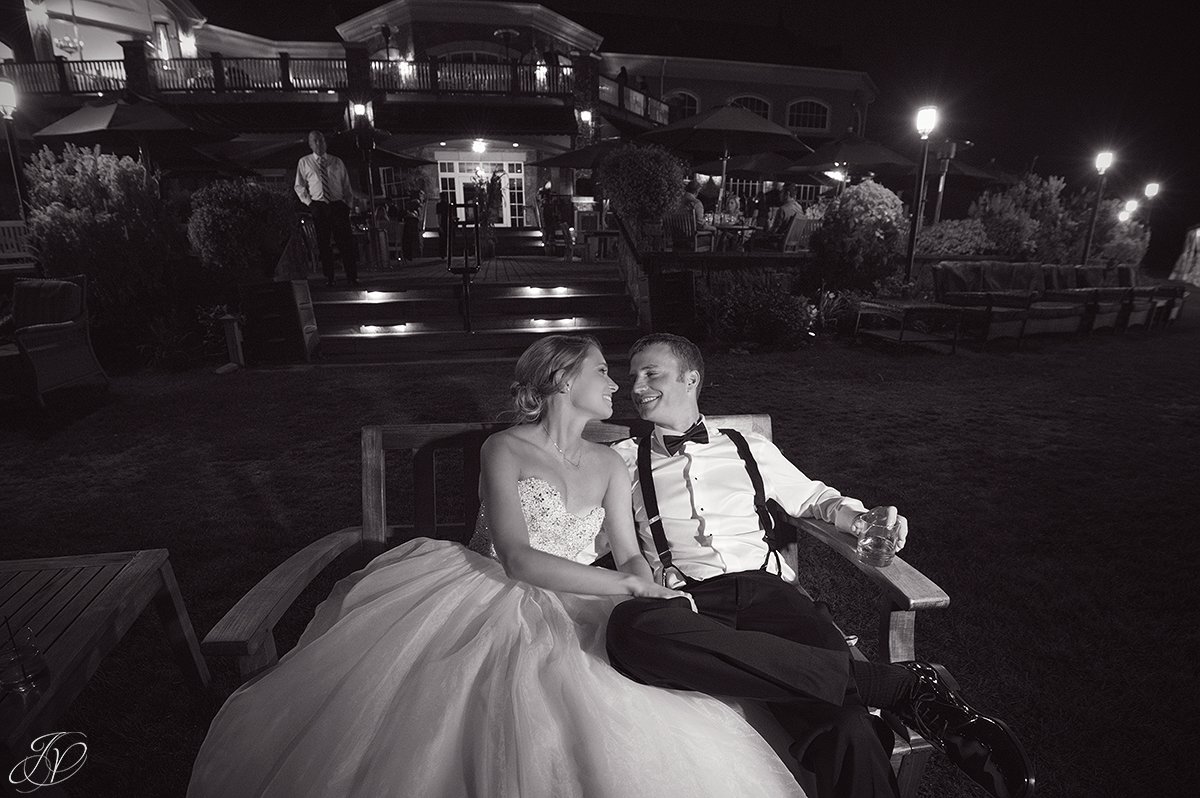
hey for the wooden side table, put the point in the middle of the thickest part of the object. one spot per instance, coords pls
(907, 312)
(79, 608)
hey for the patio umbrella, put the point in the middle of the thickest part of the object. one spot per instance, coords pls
(123, 124)
(272, 151)
(761, 166)
(589, 157)
(726, 129)
(850, 150)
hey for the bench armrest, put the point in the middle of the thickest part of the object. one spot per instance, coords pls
(904, 585)
(905, 590)
(248, 629)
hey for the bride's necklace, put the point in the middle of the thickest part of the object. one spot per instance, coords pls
(573, 463)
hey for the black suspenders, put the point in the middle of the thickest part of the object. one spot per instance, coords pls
(650, 497)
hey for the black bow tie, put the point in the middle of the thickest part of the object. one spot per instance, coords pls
(697, 433)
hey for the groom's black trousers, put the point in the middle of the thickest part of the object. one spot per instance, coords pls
(758, 637)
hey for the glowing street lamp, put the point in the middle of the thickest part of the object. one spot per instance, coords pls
(1124, 216)
(927, 119)
(8, 107)
(1131, 206)
(1103, 161)
(1152, 190)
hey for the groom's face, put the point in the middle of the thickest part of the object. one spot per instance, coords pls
(662, 391)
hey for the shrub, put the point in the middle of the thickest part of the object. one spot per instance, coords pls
(101, 215)
(642, 182)
(858, 242)
(755, 308)
(954, 237)
(239, 228)
(1029, 220)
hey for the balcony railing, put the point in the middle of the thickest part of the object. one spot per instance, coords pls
(456, 78)
(248, 74)
(66, 77)
(634, 101)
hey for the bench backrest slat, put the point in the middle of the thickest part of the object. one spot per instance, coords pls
(427, 441)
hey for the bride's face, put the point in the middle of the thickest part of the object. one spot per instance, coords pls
(591, 389)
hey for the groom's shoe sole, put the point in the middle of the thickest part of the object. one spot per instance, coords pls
(984, 748)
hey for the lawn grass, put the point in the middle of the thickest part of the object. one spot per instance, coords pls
(1047, 489)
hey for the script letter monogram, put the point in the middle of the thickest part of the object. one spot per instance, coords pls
(54, 760)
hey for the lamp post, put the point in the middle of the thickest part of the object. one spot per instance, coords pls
(8, 107)
(927, 119)
(1103, 161)
(946, 152)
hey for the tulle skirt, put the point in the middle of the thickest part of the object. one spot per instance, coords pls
(431, 674)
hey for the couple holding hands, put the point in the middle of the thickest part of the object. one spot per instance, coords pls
(512, 667)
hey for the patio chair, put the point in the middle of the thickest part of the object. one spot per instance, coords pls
(247, 632)
(683, 235)
(52, 346)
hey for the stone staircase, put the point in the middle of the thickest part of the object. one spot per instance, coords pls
(407, 319)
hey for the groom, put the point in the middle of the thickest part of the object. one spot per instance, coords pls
(755, 636)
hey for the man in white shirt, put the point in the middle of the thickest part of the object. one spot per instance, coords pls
(755, 636)
(323, 184)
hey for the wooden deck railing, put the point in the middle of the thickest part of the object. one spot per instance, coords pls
(65, 77)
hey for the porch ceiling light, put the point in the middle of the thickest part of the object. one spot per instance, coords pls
(479, 145)
(585, 115)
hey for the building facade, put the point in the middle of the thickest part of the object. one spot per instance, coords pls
(476, 86)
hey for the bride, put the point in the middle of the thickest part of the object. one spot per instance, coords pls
(443, 672)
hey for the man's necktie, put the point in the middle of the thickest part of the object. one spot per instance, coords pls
(698, 434)
(323, 173)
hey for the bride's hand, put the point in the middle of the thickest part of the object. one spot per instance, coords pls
(644, 588)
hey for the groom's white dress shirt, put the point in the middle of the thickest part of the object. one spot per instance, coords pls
(706, 501)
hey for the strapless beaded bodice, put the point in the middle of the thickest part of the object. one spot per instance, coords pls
(552, 528)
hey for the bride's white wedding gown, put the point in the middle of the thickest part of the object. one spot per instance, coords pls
(432, 674)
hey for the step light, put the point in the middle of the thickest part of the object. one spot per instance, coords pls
(375, 330)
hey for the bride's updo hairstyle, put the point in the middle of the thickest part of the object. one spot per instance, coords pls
(543, 370)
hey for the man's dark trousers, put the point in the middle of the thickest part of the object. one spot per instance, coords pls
(334, 217)
(757, 637)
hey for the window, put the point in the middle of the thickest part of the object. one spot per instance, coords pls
(162, 40)
(681, 105)
(808, 114)
(754, 104)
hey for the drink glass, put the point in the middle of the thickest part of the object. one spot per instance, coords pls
(876, 540)
(21, 661)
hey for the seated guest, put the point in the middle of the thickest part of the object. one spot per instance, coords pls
(691, 202)
(787, 210)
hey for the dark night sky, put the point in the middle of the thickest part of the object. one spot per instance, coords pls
(1053, 80)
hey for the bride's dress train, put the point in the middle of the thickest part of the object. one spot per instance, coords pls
(432, 674)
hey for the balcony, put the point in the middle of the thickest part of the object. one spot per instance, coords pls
(635, 103)
(217, 74)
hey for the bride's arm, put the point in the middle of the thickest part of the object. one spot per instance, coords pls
(501, 468)
(618, 520)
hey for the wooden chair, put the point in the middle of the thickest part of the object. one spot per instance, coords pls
(776, 240)
(16, 258)
(52, 348)
(247, 630)
(681, 232)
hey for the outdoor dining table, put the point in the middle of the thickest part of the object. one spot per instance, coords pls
(79, 608)
(733, 236)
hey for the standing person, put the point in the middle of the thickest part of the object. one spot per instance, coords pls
(756, 636)
(441, 672)
(323, 184)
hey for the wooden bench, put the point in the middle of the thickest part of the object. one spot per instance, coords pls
(16, 259)
(247, 632)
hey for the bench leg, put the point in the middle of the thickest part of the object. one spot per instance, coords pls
(169, 603)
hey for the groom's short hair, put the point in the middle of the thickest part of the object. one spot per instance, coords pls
(686, 352)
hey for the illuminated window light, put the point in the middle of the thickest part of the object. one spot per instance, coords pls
(187, 44)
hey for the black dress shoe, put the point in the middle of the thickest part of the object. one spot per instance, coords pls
(984, 748)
